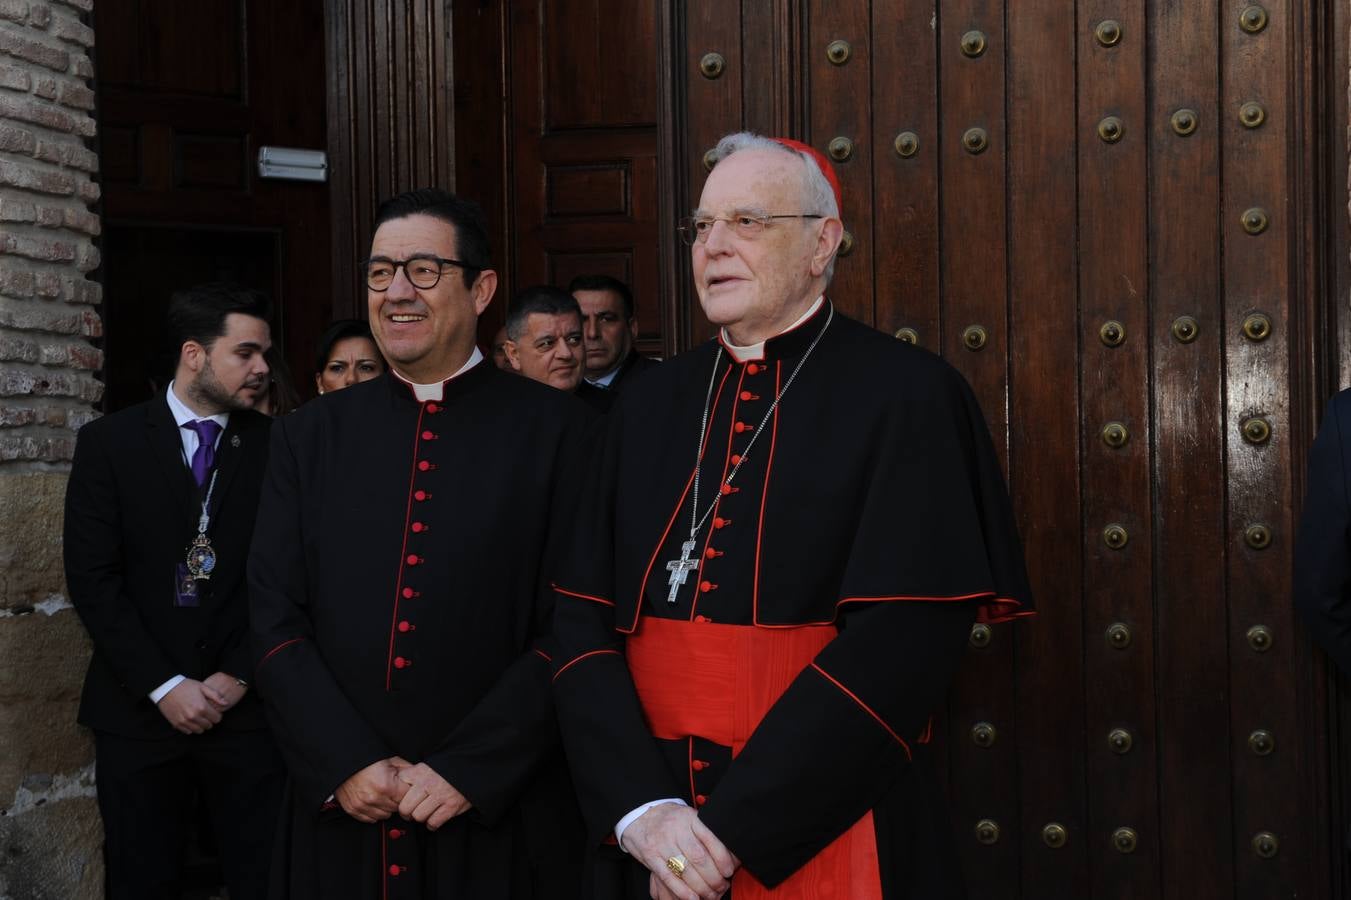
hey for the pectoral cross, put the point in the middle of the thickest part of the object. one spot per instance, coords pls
(680, 570)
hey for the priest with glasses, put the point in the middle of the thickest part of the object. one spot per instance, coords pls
(776, 564)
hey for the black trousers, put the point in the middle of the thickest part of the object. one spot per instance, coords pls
(146, 791)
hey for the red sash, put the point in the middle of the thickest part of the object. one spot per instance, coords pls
(717, 682)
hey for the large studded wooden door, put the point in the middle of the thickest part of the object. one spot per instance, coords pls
(1102, 213)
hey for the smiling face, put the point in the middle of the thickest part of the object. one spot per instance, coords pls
(757, 287)
(425, 333)
(352, 360)
(549, 349)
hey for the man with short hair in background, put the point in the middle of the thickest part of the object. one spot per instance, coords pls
(609, 327)
(160, 510)
(544, 343)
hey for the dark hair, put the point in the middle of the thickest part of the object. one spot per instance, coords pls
(282, 396)
(542, 298)
(341, 330)
(465, 216)
(198, 313)
(604, 283)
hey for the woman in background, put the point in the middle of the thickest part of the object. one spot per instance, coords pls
(347, 354)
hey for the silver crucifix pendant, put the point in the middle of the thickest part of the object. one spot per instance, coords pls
(680, 570)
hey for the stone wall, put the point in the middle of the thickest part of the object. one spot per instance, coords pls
(49, 826)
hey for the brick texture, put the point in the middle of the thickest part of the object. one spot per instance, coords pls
(48, 367)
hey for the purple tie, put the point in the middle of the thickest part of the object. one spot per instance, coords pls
(205, 457)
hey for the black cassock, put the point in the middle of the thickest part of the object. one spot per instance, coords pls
(398, 609)
(871, 504)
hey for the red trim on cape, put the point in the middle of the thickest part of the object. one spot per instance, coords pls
(568, 593)
(403, 550)
(542, 655)
(283, 645)
(764, 494)
(865, 707)
(582, 657)
(680, 504)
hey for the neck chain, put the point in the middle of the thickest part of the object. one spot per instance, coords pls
(680, 568)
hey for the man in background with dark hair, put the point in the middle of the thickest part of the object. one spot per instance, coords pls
(159, 514)
(405, 664)
(609, 328)
(544, 337)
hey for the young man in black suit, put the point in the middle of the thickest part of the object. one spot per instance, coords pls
(159, 515)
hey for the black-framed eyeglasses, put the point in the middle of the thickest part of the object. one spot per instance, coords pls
(422, 271)
(695, 229)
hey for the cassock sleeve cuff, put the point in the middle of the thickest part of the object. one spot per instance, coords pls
(632, 817)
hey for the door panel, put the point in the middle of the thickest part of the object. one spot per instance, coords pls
(1094, 231)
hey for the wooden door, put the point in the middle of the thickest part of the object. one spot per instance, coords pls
(556, 116)
(187, 92)
(1109, 217)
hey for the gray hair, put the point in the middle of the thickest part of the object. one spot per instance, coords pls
(817, 194)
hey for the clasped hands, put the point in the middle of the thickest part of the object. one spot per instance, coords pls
(414, 791)
(193, 707)
(671, 830)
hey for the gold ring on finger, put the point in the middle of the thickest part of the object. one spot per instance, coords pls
(677, 865)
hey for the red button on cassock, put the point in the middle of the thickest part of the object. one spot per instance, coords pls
(395, 834)
(711, 553)
(752, 369)
(418, 527)
(740, 427)
(736, 459)
(747, 395)
(728, 489)
(401, 663)
(424, 466)
(408, 593)
(433, 408)
(395, 870)
(701, 618)
(719, 522)
(405, 626)
(707, 586)
(700, 800)
(413, 559)
(419, 496)
(698, 765)
(429, 435)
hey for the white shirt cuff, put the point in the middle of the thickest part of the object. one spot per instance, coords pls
(158, 693)
(631, 817)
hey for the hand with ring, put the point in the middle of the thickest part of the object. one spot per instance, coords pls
(686, 860)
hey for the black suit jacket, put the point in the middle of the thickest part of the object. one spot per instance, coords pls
(1322, 585)
(131, 512)
(602, 398)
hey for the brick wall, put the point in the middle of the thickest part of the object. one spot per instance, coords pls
(49, 827)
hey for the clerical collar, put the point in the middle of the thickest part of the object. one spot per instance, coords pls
(183, 414)
(436, 390)
(757, 351)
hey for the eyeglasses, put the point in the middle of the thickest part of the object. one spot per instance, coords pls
(422, 271)
(696, 229)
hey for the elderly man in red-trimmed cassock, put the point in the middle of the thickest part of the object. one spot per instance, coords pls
(790, 532)
(398, 604)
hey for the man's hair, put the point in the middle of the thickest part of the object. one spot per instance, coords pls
(198, 313)
(465, 216)
(542, 298)
(340, 330)
(604, 283)
(818, 197)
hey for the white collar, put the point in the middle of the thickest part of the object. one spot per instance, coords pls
(183, 415)
(757, 351)
(435, 390)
